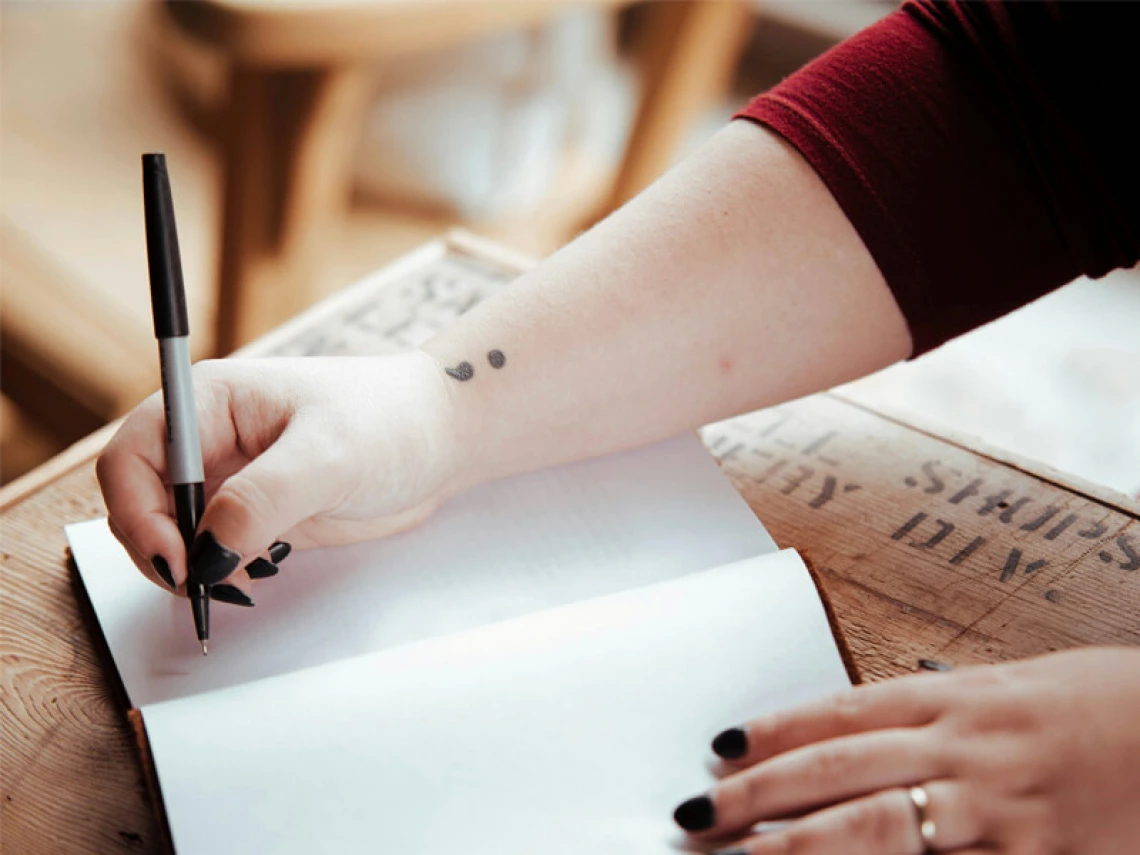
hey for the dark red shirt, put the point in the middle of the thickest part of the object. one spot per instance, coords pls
(986, 153)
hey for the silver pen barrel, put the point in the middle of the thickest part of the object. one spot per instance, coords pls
(183, 447)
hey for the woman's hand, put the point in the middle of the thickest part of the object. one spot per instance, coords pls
(1037, 757)
(313, 451)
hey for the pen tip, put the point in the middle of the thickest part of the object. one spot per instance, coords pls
(204, 651)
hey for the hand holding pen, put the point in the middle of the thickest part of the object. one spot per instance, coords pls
(207, 564)
(314, 451)
(204, 481)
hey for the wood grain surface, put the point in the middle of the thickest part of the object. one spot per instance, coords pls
(928, 548)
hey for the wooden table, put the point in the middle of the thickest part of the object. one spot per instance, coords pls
(928, 548)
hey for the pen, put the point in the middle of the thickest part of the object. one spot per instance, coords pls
(172, 329)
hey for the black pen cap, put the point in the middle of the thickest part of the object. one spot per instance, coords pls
(167, 296)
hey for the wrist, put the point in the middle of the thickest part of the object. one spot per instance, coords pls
(460, 430)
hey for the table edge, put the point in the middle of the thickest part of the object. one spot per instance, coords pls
(1042, 471)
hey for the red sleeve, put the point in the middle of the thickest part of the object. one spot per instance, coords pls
(983, 151)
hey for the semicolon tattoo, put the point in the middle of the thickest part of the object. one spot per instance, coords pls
(461, 372)
(464, 371)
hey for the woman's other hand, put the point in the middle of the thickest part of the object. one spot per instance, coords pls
(1040, 757)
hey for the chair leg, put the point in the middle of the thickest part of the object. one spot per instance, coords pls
(288, 141)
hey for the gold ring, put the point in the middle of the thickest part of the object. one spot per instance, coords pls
(926, 829)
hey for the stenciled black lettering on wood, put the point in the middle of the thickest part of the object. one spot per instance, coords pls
(967, 550)
(817, 444)
(1046, 515)
(1056, 531)
(794, 483)
(1014, 561)
(992, 503)
(1094, 531)
(731, 454)
(774, 469)
(826, 494)
(944, 530)
(936, 485)
(1131, 555)
(971, 489)
(909, 526)
(1007, 515)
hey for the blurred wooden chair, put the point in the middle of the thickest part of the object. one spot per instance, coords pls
(79, 106)
(298, 84)
(295, 98)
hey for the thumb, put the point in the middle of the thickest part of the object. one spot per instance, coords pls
(277, 490)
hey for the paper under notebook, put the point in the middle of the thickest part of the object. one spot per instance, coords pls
(538, 668)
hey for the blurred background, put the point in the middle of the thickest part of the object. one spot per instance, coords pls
(310, 142)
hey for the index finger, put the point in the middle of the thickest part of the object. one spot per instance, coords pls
(131, 472)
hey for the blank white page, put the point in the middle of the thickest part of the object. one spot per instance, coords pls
(575, 730)
(502, 550)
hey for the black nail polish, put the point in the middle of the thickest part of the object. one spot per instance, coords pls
(279, 551)
(933, 665)
(231, 594)
(731, 744)
(209, 561)
(736, 850)
(696, 814)
(259, 568)
(163, 570)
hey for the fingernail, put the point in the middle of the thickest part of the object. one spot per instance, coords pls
(731, 744)
(736, 850)
(163, 570)
(224, 593)
(696, 814)
(279, 551)
(259, 568)
(933, 665)
(209, 561)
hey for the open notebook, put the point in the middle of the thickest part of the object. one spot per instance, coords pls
(538, 668)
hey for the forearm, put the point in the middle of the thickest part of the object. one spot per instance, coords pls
(735, 282)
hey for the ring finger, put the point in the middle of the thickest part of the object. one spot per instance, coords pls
(885, 823)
